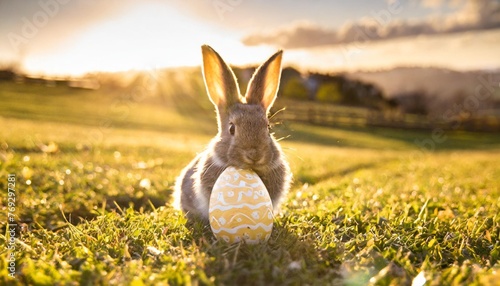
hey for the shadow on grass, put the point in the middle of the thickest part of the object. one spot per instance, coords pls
(285, 259)
(55, 219)
(388, 138)
(310, 178)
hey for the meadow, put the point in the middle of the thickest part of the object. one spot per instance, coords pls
(94, 171)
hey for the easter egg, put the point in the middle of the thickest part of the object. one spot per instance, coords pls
(240, 208)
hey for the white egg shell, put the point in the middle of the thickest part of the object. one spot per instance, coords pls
(240, 208)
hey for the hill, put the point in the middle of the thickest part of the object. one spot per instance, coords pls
(438, 87)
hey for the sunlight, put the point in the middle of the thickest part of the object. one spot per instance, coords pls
(149, 36)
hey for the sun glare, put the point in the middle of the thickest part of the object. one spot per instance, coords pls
(147, 36)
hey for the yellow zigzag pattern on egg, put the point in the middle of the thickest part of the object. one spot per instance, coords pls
(221, 207)
(265, 228)
(218, 218)
(227, 195)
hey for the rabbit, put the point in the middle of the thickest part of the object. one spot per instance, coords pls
(243, 139)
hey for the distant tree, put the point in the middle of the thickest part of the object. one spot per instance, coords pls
(296, 89)
(415, 102)
(287, 74)
(7, 74)
(350, 92)
(329, 92)
(370, 96)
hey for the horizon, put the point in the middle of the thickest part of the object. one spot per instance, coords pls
(75, 37)
(247, 66)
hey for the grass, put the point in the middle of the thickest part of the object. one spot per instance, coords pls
(367, 206)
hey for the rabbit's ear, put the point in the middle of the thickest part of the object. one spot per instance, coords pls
(264, 84)
(220, 81)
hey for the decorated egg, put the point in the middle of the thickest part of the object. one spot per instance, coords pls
(240, 208)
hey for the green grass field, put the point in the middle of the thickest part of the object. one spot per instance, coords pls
(94, 175)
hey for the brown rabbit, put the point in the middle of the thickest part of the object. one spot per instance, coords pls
(243, 140)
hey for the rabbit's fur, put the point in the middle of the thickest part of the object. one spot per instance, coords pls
(251, 146)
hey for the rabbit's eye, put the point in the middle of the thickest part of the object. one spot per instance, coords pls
(231, 128)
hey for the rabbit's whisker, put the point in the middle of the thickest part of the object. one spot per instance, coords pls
(286, 149)
(282, 138)
(278, 111)
(219, 167)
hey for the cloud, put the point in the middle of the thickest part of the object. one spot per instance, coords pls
(299, 35)
(473, 15)
(432, 3)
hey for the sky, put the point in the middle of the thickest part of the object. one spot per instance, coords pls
(73, 37)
